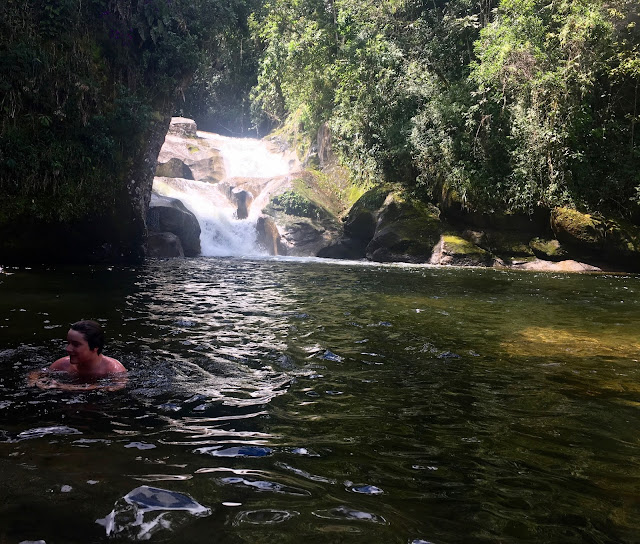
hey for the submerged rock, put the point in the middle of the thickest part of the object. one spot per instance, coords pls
(164, 245)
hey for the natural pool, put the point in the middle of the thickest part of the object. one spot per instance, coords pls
(278, 401)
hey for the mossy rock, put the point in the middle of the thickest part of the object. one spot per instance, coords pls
(406, 231)
(549, 250)
(455, 250)
(576, 228)
(601, 239)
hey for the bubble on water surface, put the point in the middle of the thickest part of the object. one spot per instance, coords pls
(170, 407)
(140, 445)
(366, 489)
(39, 432)
(146, 510)
(264, 485)
(264, 517)
(241, 451)
(346, 513)
(330, 356)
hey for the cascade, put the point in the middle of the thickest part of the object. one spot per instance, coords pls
(251, 173)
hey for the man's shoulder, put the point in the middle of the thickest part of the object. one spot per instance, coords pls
(61, 364)
(113, 365)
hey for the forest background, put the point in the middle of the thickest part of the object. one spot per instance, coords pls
(504, 105)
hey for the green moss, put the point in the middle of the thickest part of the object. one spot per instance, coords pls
(193, 148)
(459, 246)
(550, 248)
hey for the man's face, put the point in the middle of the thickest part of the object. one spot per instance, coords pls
(78, 348)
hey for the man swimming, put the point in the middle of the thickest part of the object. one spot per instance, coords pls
(84, 362)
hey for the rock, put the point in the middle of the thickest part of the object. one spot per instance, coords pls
(170, 215)
(577, 229)
(210, 169)
(181, 126)
(598, 239)
(174, 168)
(346, 248)
(243, 200)
(269, 237)
(548, 250)
(164, 244)
(454, 250)
(325, 154)
(561, 266)
(406, 231)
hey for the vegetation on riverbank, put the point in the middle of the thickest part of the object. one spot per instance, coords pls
(87, 90)
(503, 105)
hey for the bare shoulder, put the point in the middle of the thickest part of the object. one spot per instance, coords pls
(113, 366)
(61, 364)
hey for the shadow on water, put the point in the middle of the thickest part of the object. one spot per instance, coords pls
(274, 401)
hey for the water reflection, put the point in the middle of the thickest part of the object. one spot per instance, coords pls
(307, 401)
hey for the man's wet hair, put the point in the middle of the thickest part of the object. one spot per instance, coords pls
(92, 332)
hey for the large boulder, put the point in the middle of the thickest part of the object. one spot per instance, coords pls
(171, 215)
(596, 238)
(406, 231)
(174, 168)
(359, 226)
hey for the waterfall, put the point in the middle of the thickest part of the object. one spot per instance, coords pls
(248, 165)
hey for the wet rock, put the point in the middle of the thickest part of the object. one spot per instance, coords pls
(548, 250)
(568, 265)
(243, 200)
(210, 169)
(454, 250)
(181, 126)
(406, 231)
(174, 168)
(161, 245)
(597, 239)
(171, 215)
(269, 237)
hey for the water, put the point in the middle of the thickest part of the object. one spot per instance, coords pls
(249, 165)
(286, 401)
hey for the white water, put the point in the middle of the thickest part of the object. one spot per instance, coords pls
(246, 162)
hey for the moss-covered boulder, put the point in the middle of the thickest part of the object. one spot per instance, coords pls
(452, 249)
(548, 250)
(578, 229)
(406, 231)
(598, 238)
(359, 226)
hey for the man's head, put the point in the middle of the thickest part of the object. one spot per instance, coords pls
(92, 332)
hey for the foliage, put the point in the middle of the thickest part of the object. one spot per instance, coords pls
(293, 203)
(81, 82)
(508, 104)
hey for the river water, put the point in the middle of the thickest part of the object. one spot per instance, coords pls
(286, 401)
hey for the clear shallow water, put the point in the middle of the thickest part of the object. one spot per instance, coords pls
(304, 401)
